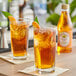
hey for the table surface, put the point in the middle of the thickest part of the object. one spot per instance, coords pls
(67, 61)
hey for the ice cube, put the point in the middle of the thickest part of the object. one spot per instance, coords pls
(36, 42)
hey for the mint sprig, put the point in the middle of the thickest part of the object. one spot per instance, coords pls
(6, 14)
(36, 20)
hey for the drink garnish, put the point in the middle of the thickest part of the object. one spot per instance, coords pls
(6, 14)
(10, 17)
(36, 23)
(36, 20)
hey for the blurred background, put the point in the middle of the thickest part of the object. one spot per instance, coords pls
(47, 11)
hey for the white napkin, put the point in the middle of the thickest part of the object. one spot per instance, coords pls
(11, 60)
(31, 71)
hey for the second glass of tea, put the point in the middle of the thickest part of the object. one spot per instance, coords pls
(19, 38)
(44, 49)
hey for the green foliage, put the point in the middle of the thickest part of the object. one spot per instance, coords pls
(53, 18)
(72, 9)
(47, 0)
(0, 24)
(9, 0)
(75, 25)
(66, 1)
(72, 6)
(32, 6)
(36, 20)
(51, 6)
(73, 19)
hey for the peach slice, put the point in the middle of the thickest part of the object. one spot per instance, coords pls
(12, 20)
(13, 23)
(35, 24)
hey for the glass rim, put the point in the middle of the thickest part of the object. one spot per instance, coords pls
(47, 27)
(25, 19)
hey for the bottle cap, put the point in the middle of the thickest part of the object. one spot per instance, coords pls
(65, 6)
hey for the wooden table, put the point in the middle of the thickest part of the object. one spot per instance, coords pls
(64, 60)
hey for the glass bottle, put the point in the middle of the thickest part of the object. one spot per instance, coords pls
(64, 31)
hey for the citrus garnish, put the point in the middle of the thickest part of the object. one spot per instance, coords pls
(35, 24)
(10, 17)
(13, 23)
(12, 20)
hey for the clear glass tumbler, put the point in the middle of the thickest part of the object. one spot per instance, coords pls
(44, 49)
(19, 37)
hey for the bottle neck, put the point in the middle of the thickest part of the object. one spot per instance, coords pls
(65, 10)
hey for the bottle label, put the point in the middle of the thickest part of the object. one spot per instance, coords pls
(64, 39)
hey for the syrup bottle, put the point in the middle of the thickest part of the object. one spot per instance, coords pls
(64, 28)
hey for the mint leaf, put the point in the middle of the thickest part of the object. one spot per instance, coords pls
(6, 14)
(36, 20)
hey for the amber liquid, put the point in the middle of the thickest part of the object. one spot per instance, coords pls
(44, 49)
(19, 40)
(65, 26)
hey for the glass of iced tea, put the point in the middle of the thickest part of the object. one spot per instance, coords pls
(19, 37)
(44, 49)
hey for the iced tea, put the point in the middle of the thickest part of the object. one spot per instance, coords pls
(19, 38)
(44, 47)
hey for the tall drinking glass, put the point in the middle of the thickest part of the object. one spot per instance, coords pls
(44, 49)
(19, 38)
